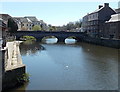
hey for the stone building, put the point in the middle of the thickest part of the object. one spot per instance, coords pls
(3, 29)
(112, 27)
(23, 23)
(27, 23)
(93, 23)
(7, 27)
(117, 10)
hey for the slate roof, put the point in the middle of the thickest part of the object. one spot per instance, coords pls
(97, 10)
(114, 18)
(22, 19)
(31, 18)
(2, 24)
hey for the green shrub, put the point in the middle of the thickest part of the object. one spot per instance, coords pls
(29, 38)
(23, 78)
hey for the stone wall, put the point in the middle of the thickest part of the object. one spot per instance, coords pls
(10, 77)
(11, 65)
(103, 42)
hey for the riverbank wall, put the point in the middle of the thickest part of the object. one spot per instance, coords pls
(113, 43)
(10, 78)
(13, 70)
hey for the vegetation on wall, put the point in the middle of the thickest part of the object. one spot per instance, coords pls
(23, 78)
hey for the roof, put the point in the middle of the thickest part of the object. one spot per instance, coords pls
(31, 18)
(5, 17)
(28, 20)
(2, 24)
(114, 18)
(97, 10)
(22, 19)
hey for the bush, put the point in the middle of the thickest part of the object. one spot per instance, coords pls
(29, 38)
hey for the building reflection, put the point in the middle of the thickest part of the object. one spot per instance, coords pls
(30, 47)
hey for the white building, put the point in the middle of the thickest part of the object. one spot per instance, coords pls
(27, 23)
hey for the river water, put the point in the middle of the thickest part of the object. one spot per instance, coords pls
(69, 66)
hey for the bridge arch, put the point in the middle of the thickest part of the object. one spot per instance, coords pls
(27, 37)
(71, 39)
(49, 39)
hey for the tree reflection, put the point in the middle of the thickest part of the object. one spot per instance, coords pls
(30, 47)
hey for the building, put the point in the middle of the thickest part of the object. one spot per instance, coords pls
(23, 23)
(5, 17)
(7, 27)
(112, 27)
(27, 23)
(117, 10)
(3, 29)
(93, 23)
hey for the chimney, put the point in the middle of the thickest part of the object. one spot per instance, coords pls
(106, 4)
(100, 6)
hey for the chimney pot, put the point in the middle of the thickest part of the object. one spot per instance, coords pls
(106, 4)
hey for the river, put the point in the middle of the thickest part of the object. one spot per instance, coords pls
(69, 66)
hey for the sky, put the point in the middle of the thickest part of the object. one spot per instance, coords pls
(54, 13)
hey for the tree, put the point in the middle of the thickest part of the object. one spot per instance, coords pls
(36, 28)
(53, 28)
(12, 25)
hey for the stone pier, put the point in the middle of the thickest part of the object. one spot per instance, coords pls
(12, 66)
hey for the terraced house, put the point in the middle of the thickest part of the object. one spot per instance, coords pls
(27, 23)
(94, 23)
(112, 27)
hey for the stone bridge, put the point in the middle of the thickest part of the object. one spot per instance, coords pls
(61, 36)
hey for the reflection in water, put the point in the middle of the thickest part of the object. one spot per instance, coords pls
(80, 66)
(30, 47)
(20, 88)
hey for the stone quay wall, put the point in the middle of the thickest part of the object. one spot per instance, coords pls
(113, 43)
(11, 65)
